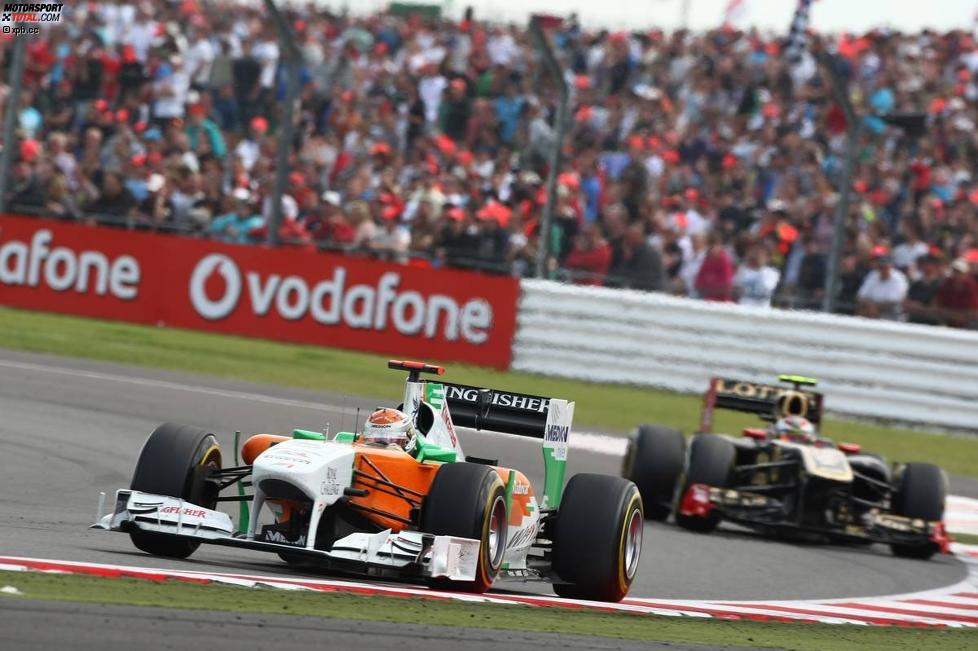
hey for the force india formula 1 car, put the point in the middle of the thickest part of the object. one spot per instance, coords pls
(379, 511)
(783, 486)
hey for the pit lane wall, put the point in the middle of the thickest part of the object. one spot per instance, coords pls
(287, 293)
(873, 369)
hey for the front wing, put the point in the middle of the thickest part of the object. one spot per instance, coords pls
(406, 554)
(754, 509)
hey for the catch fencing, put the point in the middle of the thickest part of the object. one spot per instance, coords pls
(921, 375)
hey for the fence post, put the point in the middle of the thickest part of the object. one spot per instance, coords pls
(293, 60)
(543, 250)
(10, 115)
(845, 184)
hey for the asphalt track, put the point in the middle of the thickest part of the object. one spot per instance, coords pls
(37, 626)
(71, 428)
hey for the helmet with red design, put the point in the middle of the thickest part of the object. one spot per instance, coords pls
(388, 427)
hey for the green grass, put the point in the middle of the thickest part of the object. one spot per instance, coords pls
(174, 594)
(602, 406)
(965, 538)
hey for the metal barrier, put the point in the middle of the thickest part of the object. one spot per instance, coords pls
(924, 375)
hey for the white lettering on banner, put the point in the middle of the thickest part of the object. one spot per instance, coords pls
(331, 302)
(62, 270)
(225, 266)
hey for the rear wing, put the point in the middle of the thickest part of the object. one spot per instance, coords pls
(479, 408)
(501, 411)
(539, 417)
(768, 401)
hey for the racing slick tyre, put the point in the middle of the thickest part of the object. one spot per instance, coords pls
(468, 500)
(711, 461)
(920, 492)
(175, 461)
(654, 461)
(597, 537)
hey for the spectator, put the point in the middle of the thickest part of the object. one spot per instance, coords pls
(684, 136)
(756, 280)
(590, 258)
(714, 280)
(919, 306)
(957, 299)
(239, 222)
(113, 200)
(641, 264)
(883, 291)
(811, 275)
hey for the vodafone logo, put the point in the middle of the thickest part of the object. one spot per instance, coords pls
(225, 268)
(65, 270)
(218, 289)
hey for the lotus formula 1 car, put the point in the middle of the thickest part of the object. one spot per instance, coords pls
(782, 483)
(423, 512)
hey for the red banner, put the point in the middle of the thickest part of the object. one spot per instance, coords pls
(283, 293)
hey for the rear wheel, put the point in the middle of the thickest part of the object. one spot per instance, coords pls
(176, 461)
(654, 461)
(920, 493)
(597, 537)
(468, 500)
(711, 462)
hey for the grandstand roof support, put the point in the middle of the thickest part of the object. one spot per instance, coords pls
(550, 60)
(293, 60)
(10, 115)
(840, 90)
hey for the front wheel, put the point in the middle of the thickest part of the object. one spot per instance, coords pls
(711, 463)
(176, 461)
(468, 500)
(597, 537)
(654, 461)
(920, 492)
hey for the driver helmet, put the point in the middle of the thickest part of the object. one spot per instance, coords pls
(388, 427)
(795, 428)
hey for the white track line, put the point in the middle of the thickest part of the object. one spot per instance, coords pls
(585, 441)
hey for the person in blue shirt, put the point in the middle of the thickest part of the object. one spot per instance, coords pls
(509, 108)
(236, 225)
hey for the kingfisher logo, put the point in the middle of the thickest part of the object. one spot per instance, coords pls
(219, 289)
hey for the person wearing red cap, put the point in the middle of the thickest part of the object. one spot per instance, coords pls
(634, 177)
(199, 125)
(249, 149)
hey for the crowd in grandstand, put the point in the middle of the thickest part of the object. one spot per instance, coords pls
(705, 164)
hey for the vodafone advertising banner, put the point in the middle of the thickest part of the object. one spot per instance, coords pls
(284, 293)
